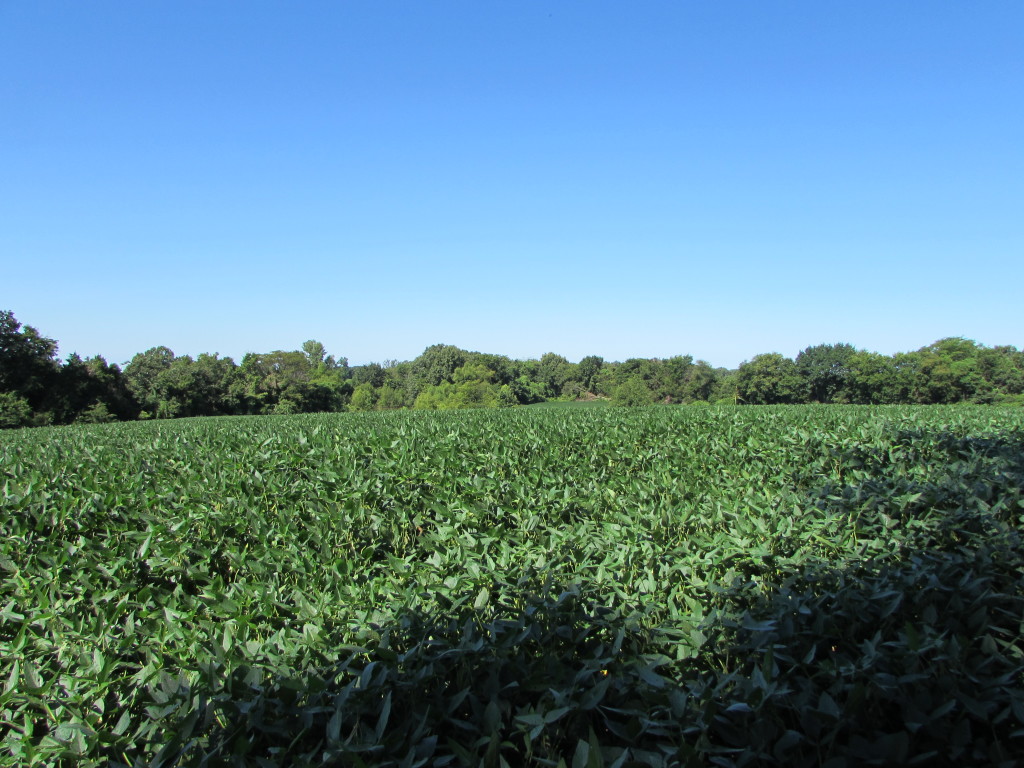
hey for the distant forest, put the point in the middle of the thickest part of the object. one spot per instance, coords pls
(37, 388)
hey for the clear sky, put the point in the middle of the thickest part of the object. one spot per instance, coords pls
(583, 176)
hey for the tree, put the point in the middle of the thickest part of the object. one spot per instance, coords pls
(14, 411)
(315, 353)
(633, 392)
(506, 398)
(643, 367)
(470, 387)
(726, 391)
(143, 374)
(96, 413)
(364, 398)
(438, 363)
(701, 382)
(768, 379)
(824, 371)
(371, 373)
(554, 372)
(1003, 370)
(212, 392)
(526, 391)
(390, 398)
(605, 380)
(672, 376)
(587, 370)
(472, 373)
(949, 371)
(503, 367)
(275, 376)
(872, 379)
(28, 361)
(285, 370)
(81, 385)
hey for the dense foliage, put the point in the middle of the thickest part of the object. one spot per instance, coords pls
(36, 389)
(794, 586)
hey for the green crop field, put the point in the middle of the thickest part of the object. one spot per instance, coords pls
(795, 586)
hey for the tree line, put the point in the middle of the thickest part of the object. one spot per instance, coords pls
(38, 388)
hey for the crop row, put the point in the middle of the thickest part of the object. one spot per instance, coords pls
(596, 586)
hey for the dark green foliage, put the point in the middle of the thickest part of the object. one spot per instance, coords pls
(438, 363)
(587, 370)
(525, 391)
(554, 373)
(633, 392)
(872, 379)
(28, 361)
(769, 379)
(158, 384)
(145, 375)
(654, 587)
(14, 410)
(825, 372)
(372, 374)
(90, 387)
(31, 378)
(470, 387)
(948, 371)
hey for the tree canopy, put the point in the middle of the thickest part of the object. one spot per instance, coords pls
(37, 388)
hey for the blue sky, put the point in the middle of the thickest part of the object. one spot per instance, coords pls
(586, 177)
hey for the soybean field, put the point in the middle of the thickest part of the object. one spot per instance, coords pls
(584, 587)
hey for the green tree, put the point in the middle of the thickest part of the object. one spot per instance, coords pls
(643, 367)
(180, 390)
(672, 377)
(213, 392)
(726, 391)
(1002, 368)
(506, 398)
(82, 384)
(605, 380)
(587, 370)
(436, 397)
(825, 372)
(390, 398)
(701, 382)
(768, 379)
(526, 391)
(315, 353)
(275, 376)
(949, 371)
(96, 413)
(633, 392)
(554, 372)
(503, 367)
(470, 387)
(28, 361)
(438, 363)
(472, 373)
(145, 376)
(14, 411)
(371, 373)
(871, 379)
(364, 398)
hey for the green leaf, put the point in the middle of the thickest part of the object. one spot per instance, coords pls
(382, 721)
(581, 758)
(482, 599)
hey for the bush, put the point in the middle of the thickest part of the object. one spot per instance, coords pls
(632, 393)
(97, 413)
(14, 411)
